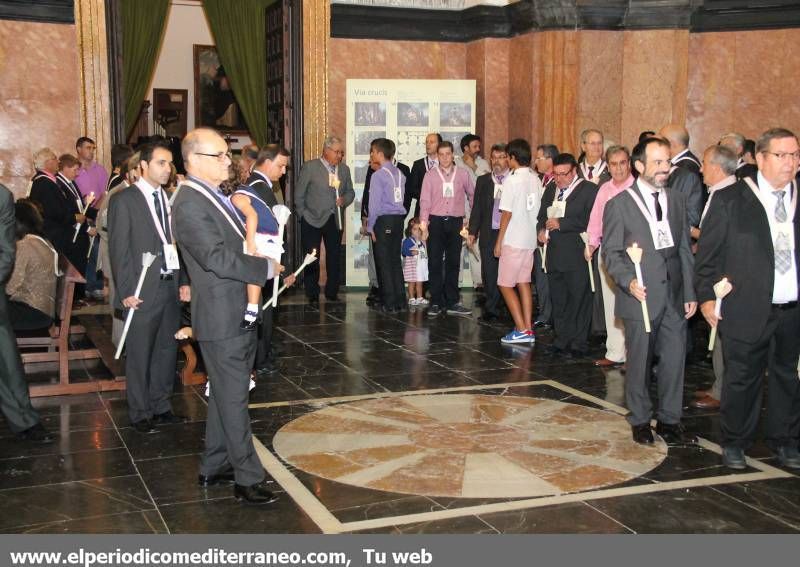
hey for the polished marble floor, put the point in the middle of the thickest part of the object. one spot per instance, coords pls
(551, 430)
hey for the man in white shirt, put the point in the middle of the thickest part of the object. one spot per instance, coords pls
(519, 208)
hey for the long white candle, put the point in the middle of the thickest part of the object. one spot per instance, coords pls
(585, 238)
(82, 210)
(722, 288)
(309, 259)
(635, 254)
(282, 214)
(147, 261)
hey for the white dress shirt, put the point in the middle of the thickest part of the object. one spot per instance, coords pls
(784, 290)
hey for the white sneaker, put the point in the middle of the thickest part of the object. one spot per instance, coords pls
(422, 301)
(412, 301)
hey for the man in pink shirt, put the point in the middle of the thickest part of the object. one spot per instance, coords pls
(445, 191)
(92, 178)
(618, 159)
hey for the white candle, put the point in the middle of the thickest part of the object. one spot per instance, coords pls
(309, 259)
(147, 261)
(635, 254)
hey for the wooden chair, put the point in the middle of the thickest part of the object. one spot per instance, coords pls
(57, 343)
(189, 374)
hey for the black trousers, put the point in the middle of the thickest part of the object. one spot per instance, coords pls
(777, 351)
(489, 267)
(151, 354)
(543, 302)
(310, 238)
(571, 296)
(26, 318)
(265, 329)
(388, 232)
(444, 259)
(15, 401)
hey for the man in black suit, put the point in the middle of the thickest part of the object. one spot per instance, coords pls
(685, 176)
(211, 238)
(543, 164)
(15, 402)
(653, 216)
(681, 156)
(57, 212)
(139, 222)
(751, 235)
(269, 166)
(484, 224)
(569, 203)
(736, 142)
(592, 166)
(418, 170)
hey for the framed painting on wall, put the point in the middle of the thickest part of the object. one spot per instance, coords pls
(215, 105)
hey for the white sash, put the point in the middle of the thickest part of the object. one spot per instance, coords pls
(75, 193)
(453, 180)
(567, 192)
(156, 220)
(651, 220)
(216, 203)
(598, 170)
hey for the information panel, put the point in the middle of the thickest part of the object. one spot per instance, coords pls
(404, 111)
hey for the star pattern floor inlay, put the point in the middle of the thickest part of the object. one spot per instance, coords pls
(467, 446)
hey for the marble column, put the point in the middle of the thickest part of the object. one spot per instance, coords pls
(316, 38)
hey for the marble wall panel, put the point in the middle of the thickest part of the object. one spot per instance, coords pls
(600, 90)
(556, 64)
(40, 106)
(475, 67)
(496, 92)
(655, 80)
(522, 83)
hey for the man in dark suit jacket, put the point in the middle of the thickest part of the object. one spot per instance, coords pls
(139, 222)
(592, 166)
(566, 266)
(211, 238)
(685, 175)
(269, 167)
(751, 235)
(484, 224)
(15, 402)
(57, 207)
(647, 214)
(418, 170)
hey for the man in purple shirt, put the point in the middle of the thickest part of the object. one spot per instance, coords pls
(445, 190)
(92, 179)
(385, 223)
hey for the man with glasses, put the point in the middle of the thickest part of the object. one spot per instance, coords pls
(592, 167)
(211, 239)
(563, 216)
(751, 235)
(652, 216)
(619, 164)
(324, 190)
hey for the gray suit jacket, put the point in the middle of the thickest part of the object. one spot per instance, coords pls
(218, 268)
(314, 200)
(667, 273)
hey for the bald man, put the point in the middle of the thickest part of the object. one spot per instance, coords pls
(684, 176)
(210, 237)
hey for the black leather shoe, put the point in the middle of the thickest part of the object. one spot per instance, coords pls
(224, 477)
(674, 434)
(733, 458)
(246, 325)
(168, 418)
(267, 370)
(36, 433)
(642, 434)
(313, 302)
(789, 457)
(487, 317)
(144, 426)
(541, 325)
(254, 494)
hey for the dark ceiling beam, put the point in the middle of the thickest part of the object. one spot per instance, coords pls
(49, 11)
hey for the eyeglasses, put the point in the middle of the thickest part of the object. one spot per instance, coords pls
(541, 158)
(219, 155)
(557, 174)
(794, 156)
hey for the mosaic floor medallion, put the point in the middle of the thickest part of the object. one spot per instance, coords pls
(467, 446)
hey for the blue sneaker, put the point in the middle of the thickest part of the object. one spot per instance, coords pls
(515, 337)
(531, 335)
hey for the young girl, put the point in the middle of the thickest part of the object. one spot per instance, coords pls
(415, 263)
(262, 238)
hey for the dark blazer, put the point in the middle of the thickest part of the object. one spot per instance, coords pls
(257, 182)
(214, 258)
(58, 211)
(565, 249)
(8, 240)
(688, 161)
(690, 185)
(668, 274)
(736, 243)
(480, 219)
(414, 184)
(605, 176)
(746, 170)
(131, 233)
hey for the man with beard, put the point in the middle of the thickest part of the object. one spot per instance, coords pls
(654, 217)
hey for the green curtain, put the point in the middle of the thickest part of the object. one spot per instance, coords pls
(240, 34)
(143, 25)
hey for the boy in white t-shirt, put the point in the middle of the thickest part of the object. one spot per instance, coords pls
(516, 241)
